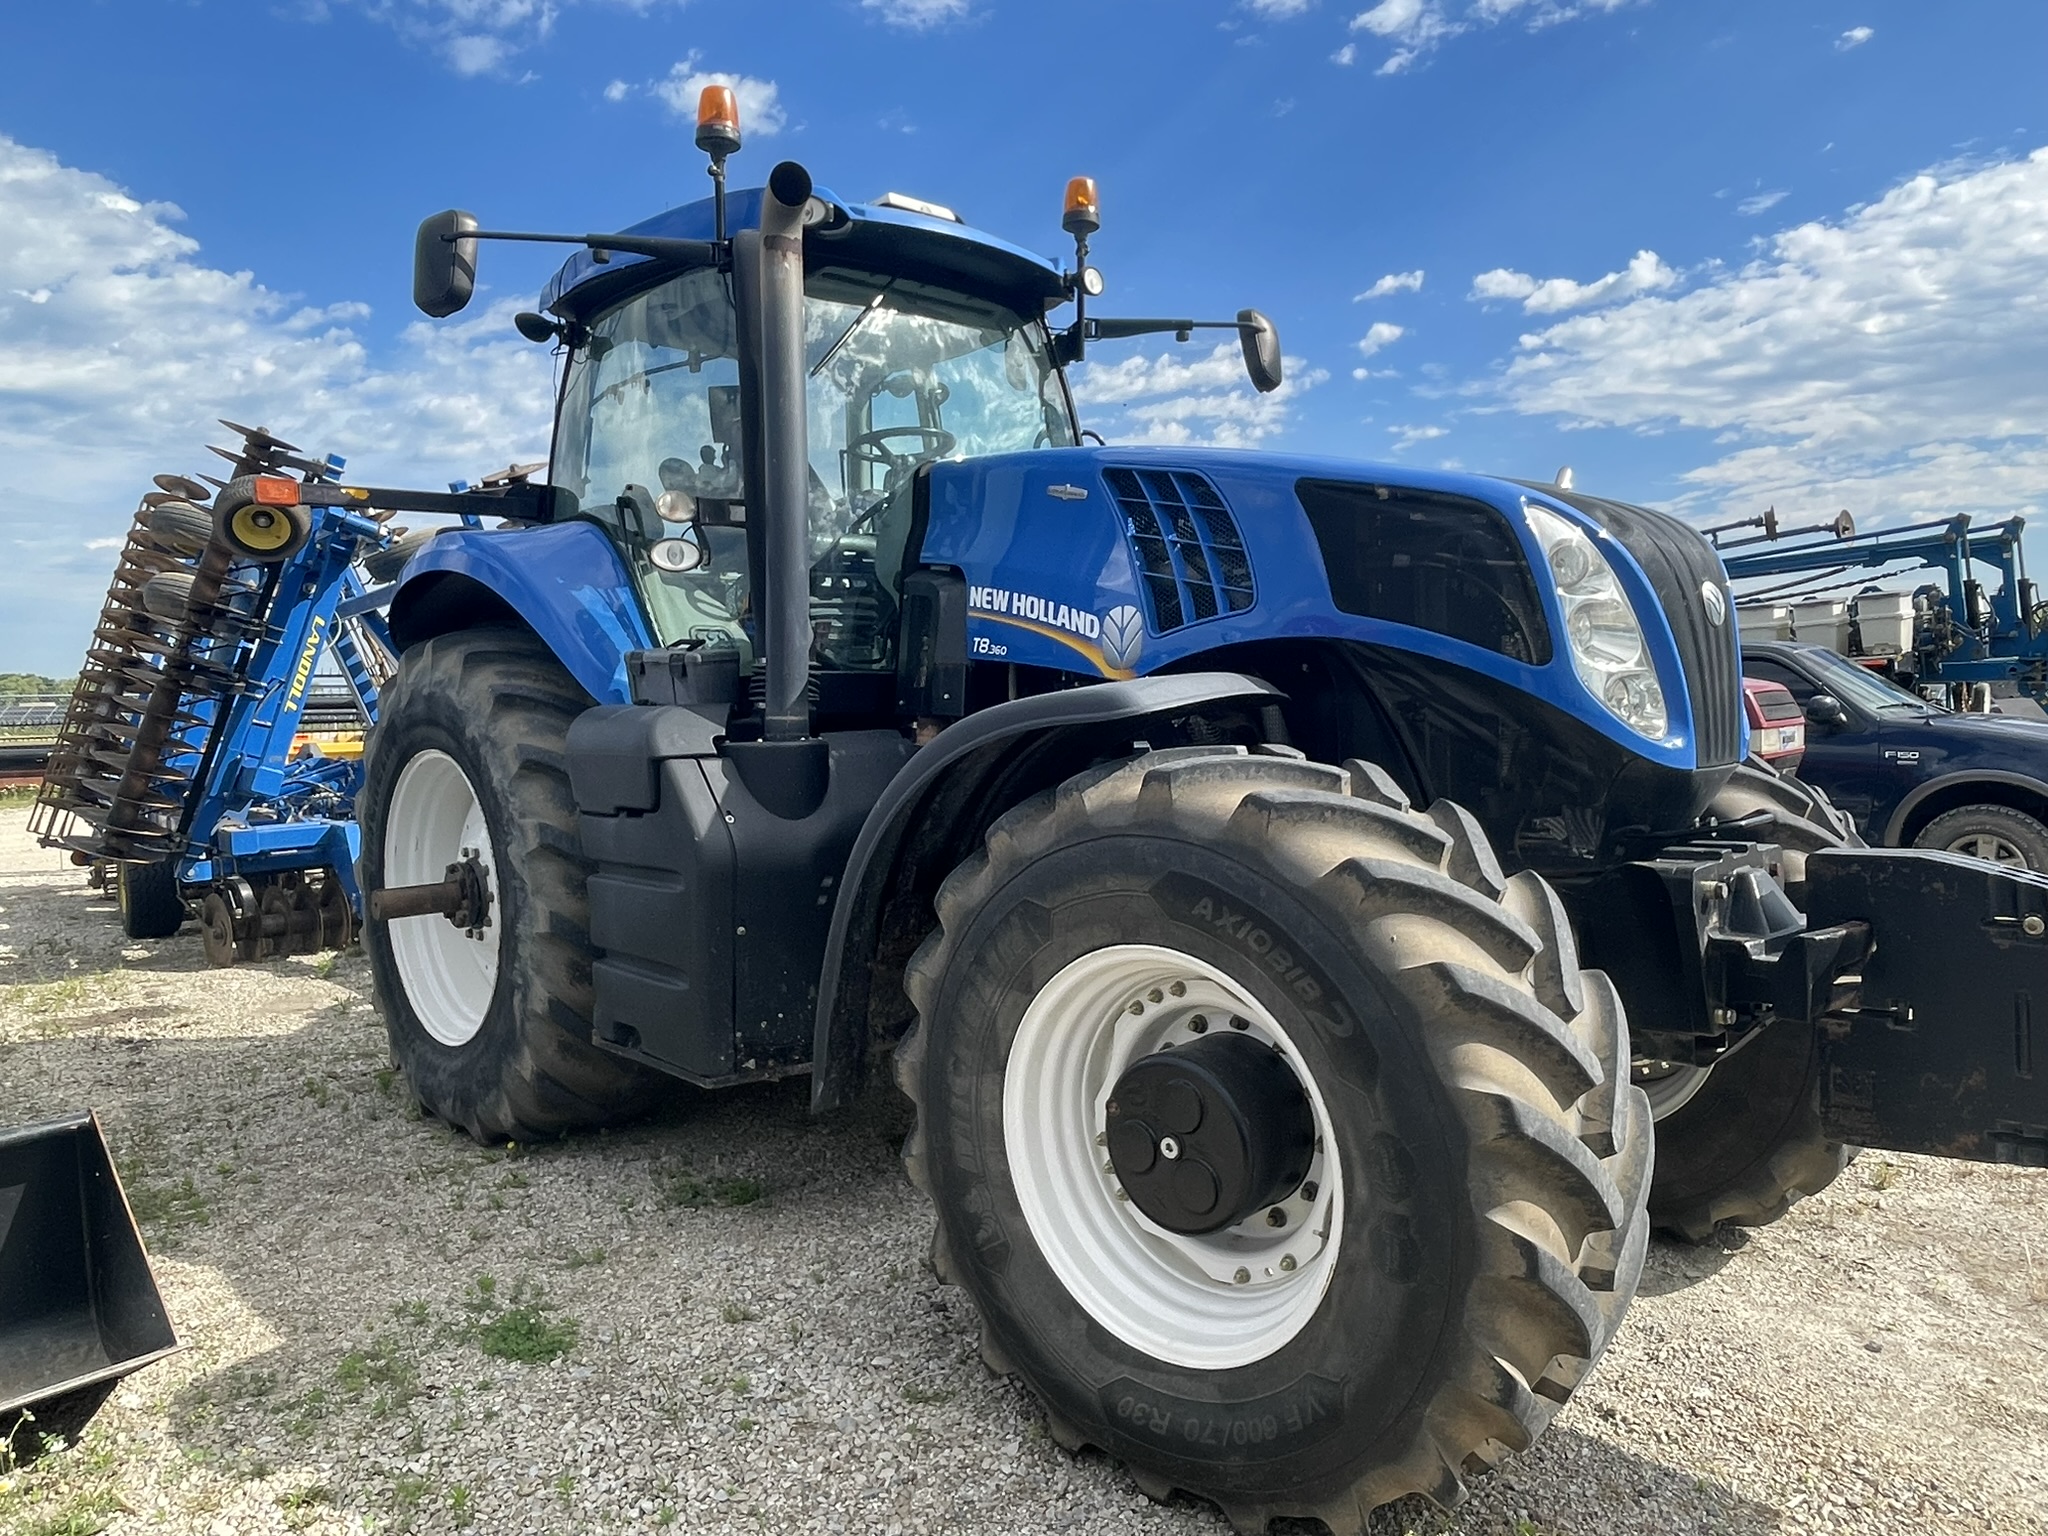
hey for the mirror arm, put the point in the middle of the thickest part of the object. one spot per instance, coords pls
(1115, 330)
(688, 253)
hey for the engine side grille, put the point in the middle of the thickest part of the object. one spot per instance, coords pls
(1189, 553)
(1679, 562)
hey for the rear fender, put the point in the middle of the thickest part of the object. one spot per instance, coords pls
(564, 582)
(934, 813)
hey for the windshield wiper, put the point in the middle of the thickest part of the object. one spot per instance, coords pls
(847, 335)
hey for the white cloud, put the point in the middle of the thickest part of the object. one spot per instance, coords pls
(916, 15)
(1277, 10)
(618, 90)
(1347, 55)
(1762, 202)
(1889, 361)
(474, 37)
(1205, 399)
(119, 372)
(1415, 27)
(760, 104)
(1407, 437)
(1379, 336)
(1646, 273)
(1393, 282)
(1855, 37)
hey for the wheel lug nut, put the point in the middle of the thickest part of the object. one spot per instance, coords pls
(1308, 1190)
(1287, 1263)
(1155, 996)
(1237, 1023)
(1122, 1195)
(1276, 1217)
(1179, 989)
(1102, 1138)
(1198, 1025)
(1242, 1277)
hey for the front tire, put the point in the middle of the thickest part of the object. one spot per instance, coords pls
(1467, 1230)
(492, 1030)
(1741, 1142)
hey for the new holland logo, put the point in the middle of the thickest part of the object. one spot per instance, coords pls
(1123, 636)
(1717, 603)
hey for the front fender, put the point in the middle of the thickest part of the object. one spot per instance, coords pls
(564, 581)
(949, 784)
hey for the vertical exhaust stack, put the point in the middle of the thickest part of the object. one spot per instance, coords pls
(786, 462)
(788, 770)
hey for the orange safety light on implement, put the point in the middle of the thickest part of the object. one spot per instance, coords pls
(275, 491)
(718, 121)
(1084, 213)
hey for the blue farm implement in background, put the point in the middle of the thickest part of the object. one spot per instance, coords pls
(1952, 634)
(230, 632)
(178, 764)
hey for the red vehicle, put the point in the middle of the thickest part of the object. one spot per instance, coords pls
(1777, 725)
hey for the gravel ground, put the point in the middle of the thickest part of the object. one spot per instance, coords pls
(745, 1335)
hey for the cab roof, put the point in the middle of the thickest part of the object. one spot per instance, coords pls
(863, 236)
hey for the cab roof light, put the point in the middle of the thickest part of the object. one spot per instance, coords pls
(1083, 209)
(903, 202)
(718, 121)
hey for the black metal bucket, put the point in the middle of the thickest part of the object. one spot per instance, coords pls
(79, 1308)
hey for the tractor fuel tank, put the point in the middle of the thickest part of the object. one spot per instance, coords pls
(708, 910)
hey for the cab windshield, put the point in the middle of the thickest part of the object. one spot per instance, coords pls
(899, 374)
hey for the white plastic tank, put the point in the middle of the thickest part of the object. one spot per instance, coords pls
(1770, 621)
(1884, 622)
(1822, 622)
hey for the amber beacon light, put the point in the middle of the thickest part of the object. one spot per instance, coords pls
(718, 121)
(1084, 211)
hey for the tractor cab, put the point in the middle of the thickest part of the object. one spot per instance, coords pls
(922, 341)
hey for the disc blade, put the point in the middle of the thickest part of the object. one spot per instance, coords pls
(179, 487)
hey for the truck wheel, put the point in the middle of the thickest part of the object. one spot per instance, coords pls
(1995, 832)
(151, 906)
(1281, 1143)
(469, 759)
(1741, 1141)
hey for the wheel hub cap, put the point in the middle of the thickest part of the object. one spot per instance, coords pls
(1203, 1137)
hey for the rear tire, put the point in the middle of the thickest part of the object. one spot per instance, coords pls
(1484, 1166)
(151, 905)
(1998, 833)
(1743, 1141)
(492, 1032)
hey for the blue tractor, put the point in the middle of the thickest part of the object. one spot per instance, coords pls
(1294, 893)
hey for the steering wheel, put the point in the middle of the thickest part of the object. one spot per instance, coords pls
(871, 447)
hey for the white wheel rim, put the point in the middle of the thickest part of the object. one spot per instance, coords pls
(448, 976)
(1177, 1298)
(1669, 1085)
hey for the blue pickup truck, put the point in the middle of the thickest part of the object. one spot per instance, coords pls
(1911, 773)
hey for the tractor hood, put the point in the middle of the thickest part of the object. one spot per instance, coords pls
(1116, 562)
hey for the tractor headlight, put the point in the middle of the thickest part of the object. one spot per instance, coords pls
(1601, 629)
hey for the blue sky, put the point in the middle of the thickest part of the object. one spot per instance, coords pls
(1714, 255)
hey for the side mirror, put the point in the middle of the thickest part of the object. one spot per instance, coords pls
(1826, 709)
(1261, 350)
(444, 263)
